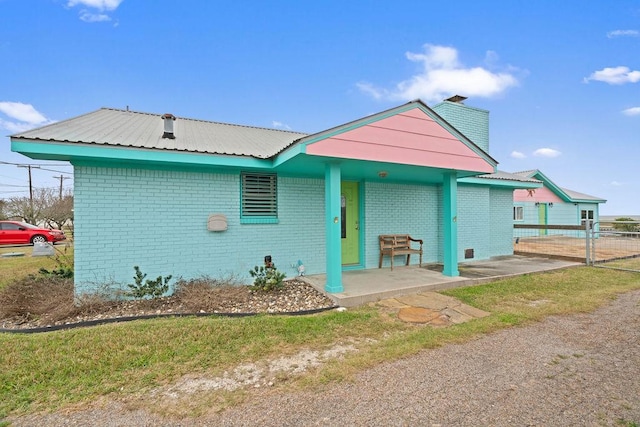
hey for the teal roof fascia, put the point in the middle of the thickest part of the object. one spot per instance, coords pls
(74, 152)
(392, 112)
(559, 192)
(288, 154)
(499, 183)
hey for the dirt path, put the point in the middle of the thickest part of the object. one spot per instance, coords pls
(575, 370)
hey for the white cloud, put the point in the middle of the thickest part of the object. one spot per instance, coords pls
(633, 111)
(96, 4)
(87, 16)
(615, 75)
(546, 152)
(616, 184)
(88, 13)
(623, 33)
(518, 155)
(442, 76)
(22, 112)
(24, 117)
(279, 125)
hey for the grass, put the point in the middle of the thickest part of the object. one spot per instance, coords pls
(628, 263)
(44, 372)
(14, 267)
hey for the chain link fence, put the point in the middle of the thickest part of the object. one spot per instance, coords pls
(610, 246)
(617, 245)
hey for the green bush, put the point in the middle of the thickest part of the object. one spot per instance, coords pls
(147, 288)
(624, 224)
(266, 278)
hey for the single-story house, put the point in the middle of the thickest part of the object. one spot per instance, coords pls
(552, 204)
(191, 198)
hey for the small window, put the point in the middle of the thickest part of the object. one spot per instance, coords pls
(586, 215)
(518, 213)
(259, 198)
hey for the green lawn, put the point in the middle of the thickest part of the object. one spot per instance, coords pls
(12, 268)
(124, 361)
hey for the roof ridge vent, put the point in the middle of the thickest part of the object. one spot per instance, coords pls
(168, 125)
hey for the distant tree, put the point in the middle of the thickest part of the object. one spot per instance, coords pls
(626, 224)
(58, 212)
(46, 207)
(3, 204)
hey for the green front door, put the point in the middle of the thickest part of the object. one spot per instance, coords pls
(542, 217)
(350, 208)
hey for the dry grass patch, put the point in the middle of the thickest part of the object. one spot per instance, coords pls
(46, 300)
(209, 295)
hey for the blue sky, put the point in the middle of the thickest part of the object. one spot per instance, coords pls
(560, 78)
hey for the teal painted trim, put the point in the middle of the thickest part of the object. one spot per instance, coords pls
(289, 154)
(352, 267)
(499, 182)
(557, 190)
(71, 152)
(450, 225)
(332, 225)
(259, 220)
(362, 222)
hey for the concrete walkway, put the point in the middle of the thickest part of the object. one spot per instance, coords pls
(365, 286)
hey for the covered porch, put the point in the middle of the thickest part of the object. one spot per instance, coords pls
(408, 145)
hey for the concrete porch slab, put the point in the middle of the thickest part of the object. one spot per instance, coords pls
(371, 285)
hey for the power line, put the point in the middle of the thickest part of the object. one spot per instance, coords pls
(38, 164)
(52, 170)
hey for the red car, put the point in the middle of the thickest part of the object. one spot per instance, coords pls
(14, 232)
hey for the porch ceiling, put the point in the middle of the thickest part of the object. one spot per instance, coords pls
(314, 166)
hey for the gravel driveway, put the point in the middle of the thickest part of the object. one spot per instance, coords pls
(570, 371)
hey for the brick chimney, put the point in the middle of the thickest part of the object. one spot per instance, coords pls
(472, 122)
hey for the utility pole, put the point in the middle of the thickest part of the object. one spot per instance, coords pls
(61, 178)
(30, 184)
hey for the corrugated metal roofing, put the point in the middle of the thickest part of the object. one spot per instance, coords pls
(581, 196)
(508, 177)
(115, 127)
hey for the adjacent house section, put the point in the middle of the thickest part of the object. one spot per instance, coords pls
(553, 205)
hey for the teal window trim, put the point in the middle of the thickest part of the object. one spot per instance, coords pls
(258, 198)
(259, 220)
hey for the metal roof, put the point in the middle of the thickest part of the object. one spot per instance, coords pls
(508, 177)
(581, 196)
(113, 127)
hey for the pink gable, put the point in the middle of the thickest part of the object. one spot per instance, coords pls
(411, 138)
(542, 195)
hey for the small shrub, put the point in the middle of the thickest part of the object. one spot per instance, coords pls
(65, 266)
(147, 288)
(266, 278)
(64, 272)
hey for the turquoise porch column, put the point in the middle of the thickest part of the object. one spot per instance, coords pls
(332, 223)
(450, 224)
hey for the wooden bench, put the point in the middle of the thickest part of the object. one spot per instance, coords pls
(398, 244)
